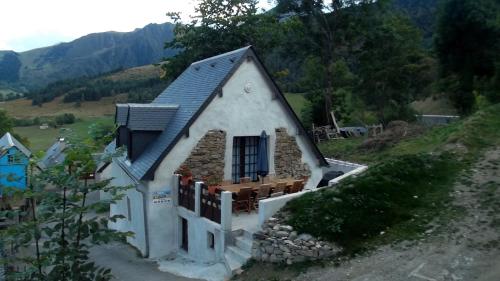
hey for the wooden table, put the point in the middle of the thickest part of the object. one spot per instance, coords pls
(235, 188)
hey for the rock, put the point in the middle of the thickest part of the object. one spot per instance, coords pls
(281, 234)
(304, 237)
(286, 228)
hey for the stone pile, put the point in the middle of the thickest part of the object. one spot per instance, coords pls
(279, 243)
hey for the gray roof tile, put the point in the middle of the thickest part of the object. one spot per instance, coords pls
(8, 141)
(150, 117)
(54, 155)
(189, 91)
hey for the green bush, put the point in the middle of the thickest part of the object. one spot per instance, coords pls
(387, 194)
(66, 118)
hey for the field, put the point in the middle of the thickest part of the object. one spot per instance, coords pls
(298, 102)
(40, 140)
(22, 108)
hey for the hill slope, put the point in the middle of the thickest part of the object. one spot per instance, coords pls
(86, 56)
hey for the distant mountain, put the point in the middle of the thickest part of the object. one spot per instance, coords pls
(423, 13)
(86, 56)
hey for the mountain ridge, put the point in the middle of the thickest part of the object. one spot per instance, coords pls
(89, 55)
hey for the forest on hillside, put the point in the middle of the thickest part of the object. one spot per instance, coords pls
(365, 60)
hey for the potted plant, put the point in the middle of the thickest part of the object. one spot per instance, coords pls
(186, 174)
(213, 182)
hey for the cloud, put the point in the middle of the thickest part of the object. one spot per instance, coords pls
(27, 24)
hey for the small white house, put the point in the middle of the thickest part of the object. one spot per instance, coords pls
(208, 119)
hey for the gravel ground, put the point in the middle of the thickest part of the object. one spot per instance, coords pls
(126, 265)
(465, 249)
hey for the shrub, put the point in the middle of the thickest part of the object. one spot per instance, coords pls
(387, 194)
(66, 118)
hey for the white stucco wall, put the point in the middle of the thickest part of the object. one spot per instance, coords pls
(198, 228)
(162, 225)
(240, 114)
(136, 223)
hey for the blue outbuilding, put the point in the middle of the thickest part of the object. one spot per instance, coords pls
(14, 161)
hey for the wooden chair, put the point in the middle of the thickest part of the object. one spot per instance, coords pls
(245, 180)
(279, 189)
(262, 193)
(297, 186)
(243, 200)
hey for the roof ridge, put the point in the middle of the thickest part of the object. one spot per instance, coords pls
(222, 55)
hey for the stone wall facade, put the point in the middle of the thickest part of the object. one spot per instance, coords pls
(207, 158)
(288, 157)
(277, 242)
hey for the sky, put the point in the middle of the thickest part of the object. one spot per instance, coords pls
(29, 24)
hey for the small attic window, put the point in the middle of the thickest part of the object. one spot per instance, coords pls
(197, 68)
(213, 64)
(232, 60)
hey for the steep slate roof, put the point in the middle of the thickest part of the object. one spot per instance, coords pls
(54, 155)
(192, 91)
(8, 141)
(151, 117)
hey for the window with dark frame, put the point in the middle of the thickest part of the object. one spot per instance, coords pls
(245, 151)
(211, 240)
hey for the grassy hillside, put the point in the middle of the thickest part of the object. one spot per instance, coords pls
(22, 108)
(40, 140)
(407, 186)
(297, 102)
(89, 111)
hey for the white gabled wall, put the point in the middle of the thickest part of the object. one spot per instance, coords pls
(239, 114)
(136, 223)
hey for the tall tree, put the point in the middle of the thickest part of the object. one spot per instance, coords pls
(467, 44)
(218, 26)
(61, 223)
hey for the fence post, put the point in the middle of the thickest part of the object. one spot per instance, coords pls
(175, 190)
(226, 212)
(197, 197)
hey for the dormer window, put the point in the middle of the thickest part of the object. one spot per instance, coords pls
(141, 124)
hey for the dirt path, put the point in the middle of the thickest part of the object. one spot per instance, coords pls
(465, 249)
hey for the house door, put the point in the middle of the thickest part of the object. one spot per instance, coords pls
(185, 237)
(245, 150)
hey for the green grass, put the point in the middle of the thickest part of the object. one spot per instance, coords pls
(40, 140)
(297, 102)
(406, 187)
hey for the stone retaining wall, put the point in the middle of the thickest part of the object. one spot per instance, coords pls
(279, 243)
(288, 157)
(207, 158)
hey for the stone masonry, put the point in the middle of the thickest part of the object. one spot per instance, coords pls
(207, 158)
(277, 242)
(288, 157)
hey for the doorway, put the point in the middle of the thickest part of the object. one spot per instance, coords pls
(185, 237)
(245, 150)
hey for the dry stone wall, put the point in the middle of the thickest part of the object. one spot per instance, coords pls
(207, 158)
(277, 242)
(288, 157)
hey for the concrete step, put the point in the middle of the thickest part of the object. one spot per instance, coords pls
(238, 254)
(233, 266)
(247, 235)
(244, 244)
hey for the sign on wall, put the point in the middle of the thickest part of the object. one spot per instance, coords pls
(162, 197)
